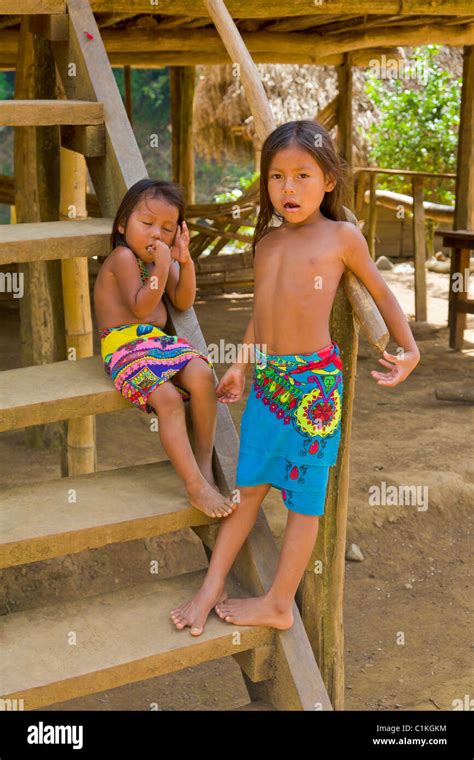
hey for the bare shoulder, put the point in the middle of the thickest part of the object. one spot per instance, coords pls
(120, 255)
(269, 237)
(349, 237)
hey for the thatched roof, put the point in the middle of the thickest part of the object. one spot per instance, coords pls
(223, 124)
(180, 32)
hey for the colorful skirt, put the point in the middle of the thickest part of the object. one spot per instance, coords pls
(291, 426)
(139, 358)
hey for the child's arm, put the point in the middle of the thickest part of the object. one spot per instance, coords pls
(232, 385)
(140, 299)
(357, 258)
(181, 288)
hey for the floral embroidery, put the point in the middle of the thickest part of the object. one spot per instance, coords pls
(314, 413)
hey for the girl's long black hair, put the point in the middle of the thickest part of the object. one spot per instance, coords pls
(152, 188)
(315, 139)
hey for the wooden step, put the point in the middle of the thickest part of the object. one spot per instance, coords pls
(60, 391)
(38, 521)
(60, 652)
(42, 113)
(54, 240)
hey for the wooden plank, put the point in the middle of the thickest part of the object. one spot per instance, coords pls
(42, 668)
(345, 137)
(38, 522)
(404, 172)
(457, 392)
(59, 391)
(27, 7)
(42, 241)
(419, 247)
(457, 238)
(36, 113)
(122, 165)
(464, 208)
(372, 217)
(182, 80)
(279, 9)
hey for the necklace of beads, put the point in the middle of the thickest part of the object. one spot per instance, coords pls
(144, 273)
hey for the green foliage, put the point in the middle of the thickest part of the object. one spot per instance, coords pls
(418, 126)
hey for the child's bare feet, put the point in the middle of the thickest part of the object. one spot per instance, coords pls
(209, 500)
(195, 612)
(260, 610)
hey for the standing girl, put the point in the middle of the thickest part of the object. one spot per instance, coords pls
(291, 426)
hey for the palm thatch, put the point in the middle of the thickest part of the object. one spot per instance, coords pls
(223, 125)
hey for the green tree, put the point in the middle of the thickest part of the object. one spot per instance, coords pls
(418, 126)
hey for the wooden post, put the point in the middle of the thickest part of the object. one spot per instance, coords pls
(419, 249)
(372, 214)
(320, 595)
(182, 98)
(77, 309)
(36, 158)
(344, 123)
(127, 78)
(464, 205)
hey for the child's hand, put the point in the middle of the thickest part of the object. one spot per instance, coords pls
(400, 367)
(180, 247)
(231, 386)
(161, 251)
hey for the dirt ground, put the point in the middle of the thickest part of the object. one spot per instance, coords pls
(408, 604)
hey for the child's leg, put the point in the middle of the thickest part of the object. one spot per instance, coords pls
(168, 404)
(275, 607)
(197, 378)
(230, 539)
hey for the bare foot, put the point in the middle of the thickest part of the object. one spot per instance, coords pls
(206, 471)
(209, 500)
(195, 612)
(259, 610)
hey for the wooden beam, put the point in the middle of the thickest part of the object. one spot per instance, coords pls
(281, 8)
(464, 208)
(191, 46)
(26, 113)
(122, 165)
(47, 241)
(36, 164)
(127, 77)
(310, 43)
(28, 7)
(372, 218)
(182, 80)
(212, 53)
(81, 433)
(345, 120)
(419, 249)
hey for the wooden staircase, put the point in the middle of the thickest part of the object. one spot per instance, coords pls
(126, 636)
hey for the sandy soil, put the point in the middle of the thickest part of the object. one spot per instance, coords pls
(415, 582)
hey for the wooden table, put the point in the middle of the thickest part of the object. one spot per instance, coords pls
(461, 242)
